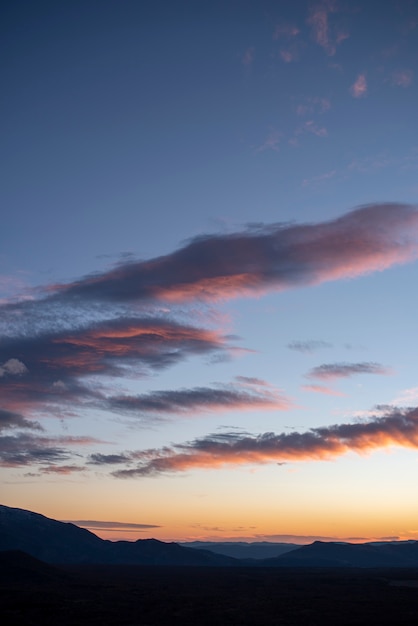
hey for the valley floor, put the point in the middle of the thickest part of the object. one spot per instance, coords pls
(151, 596)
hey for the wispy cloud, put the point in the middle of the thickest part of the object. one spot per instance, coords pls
(309, 345)
(408, 397)
(330, 371)
(402, 78)
(397, 428)
(288, 55)
(328, 391)
(271, 142)
(243, 394)
(285, 30)
(325, 34)
(62, 470)
(291, 43)
(316, 180)
(359, 88)
(111, 526)
(312, 127)
(25, 449)
(313, 105)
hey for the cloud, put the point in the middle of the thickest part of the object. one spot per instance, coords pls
(359, 88)
(321, 389)
(311, 345)
(109, 526)
(62, 470)
(274, 257)
(288, 56)
(27, 449)
(397, 428)
(311, 106)
(62, 349)
(330, 371)
(285, 30)
(312, 127)
(402, 78)
(323, 33)
(244, 394)
(58, 361)
(316, 180)
(10, 420)
(108, 459)
(13, 367)
(408, 396)
(271, 142)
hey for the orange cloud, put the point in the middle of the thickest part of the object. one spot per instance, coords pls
(397, 428)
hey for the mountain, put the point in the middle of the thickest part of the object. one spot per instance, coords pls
(243, 549)
(339, 554)
(17, 567)
(64, 543)
(59, 542)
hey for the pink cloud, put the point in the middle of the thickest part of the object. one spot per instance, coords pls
(359, 88)
(328, 391)
(287, 56)
(370, 238)
(323, 33)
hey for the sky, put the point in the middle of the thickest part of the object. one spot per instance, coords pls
(208, 267)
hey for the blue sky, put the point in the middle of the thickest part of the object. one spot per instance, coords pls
(209, 244)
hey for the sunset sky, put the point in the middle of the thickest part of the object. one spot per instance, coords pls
(208, 267)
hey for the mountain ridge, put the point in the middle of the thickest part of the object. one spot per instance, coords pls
(56, 542)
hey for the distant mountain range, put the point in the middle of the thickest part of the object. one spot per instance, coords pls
(64, 543)
(243, 549)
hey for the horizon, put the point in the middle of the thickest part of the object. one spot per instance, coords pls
(207, 268)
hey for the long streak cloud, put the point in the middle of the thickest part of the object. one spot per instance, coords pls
(275, 257)
(396, 428)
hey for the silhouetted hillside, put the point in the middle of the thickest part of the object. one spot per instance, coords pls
(18, 567)
(243, 549)
(64, 543)
(60, 542)
(336, 554)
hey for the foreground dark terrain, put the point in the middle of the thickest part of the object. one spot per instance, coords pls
(32, 592)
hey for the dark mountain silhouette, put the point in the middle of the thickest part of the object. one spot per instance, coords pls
(243, 549)
(338, 554)
(18, 567)
(60, 542)
(64, 543)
